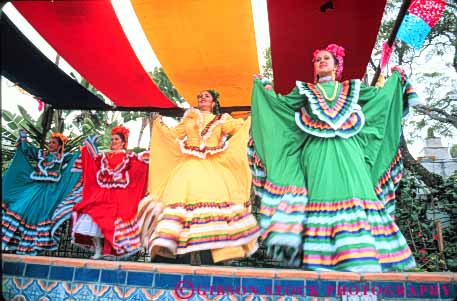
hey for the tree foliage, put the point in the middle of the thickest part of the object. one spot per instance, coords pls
(166, 86)
(267, 68)
(38, 131)
(454, 151)
(423, 196)
(439, 88)
(426, 218)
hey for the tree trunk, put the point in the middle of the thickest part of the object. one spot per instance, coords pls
(144, 124)
(46, 123)
(430, 179)
(152, 117)
(59, 121)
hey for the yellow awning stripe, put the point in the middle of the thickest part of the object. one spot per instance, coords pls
(203, 44)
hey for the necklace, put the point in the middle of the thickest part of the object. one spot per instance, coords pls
(325, 94)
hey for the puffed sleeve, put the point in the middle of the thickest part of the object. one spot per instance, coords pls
(231, 125)
(179, 131)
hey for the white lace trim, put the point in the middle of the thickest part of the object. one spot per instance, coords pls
(115, 173)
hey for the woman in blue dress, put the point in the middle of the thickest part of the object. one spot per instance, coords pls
(39, 189)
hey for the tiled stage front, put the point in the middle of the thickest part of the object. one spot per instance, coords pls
(51, 278)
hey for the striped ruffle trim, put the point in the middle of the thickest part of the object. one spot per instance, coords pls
(389, 182)
(184, 228)
(282, 212)
(126, 238)
(282, 219)
(25, 238)
(201, 151)
(336, 115)
(64, 210)
(257, 168)
(360, 260)
(90, 144)
(353, 235)
(149, 211)
(318, 227)
(77, 165)
(410, 91)
(411, 95)
(45, 169)
(349, 128)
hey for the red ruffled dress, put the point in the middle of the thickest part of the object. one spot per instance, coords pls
(113, 185)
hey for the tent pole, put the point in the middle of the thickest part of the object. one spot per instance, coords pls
(393, 34)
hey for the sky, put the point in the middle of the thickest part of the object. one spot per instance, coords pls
(12, 95)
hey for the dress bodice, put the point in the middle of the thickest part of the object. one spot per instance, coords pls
(340, 116)
(114, 169)
(202, 133)
(49, 165)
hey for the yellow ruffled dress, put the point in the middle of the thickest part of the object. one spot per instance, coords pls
(199, 189)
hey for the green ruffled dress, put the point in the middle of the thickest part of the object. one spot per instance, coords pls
(326, 173)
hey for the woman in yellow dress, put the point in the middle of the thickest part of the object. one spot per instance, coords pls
(199, 186)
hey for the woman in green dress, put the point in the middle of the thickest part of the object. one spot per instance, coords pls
(327, 180)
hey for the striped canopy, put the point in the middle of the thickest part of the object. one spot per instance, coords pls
(202, 44)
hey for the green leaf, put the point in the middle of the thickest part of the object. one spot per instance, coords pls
(25, 114)
(13, 126)
(8, 116)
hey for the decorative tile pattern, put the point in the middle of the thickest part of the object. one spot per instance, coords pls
(85, 292)
(289, 298)
(321, 299)
(200, 297)
(251, 297)
(11, 287)
(139, 294)
(33, 291)
(226, 297)
(111, 293)
(57, 290)
(165, 295)
(45, 280)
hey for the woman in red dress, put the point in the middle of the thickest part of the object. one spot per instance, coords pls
(113, 185)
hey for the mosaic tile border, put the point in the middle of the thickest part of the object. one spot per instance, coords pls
(47, 278)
